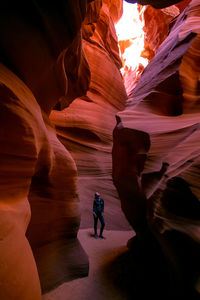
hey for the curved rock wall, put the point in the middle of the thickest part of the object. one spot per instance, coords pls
(156, 154)
(157, 24)
(38, 176)
(85, 127)
(159, 4)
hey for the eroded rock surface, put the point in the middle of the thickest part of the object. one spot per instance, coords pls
(160, 125)
(38, 176)
(155, 3)
(157, 25)
(85, 127)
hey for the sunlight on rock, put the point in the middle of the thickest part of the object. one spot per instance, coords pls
(131, 39)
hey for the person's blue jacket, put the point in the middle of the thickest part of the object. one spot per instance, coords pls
(98, 205)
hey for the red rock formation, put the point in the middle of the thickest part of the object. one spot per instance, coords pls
(183, 4)
(43, 60)
(156, 27)
(161, 124)
(85, 127)
(155, 3)
(157, 24)
(38, 177)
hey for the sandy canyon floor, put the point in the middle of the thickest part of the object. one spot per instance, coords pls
(102, 282)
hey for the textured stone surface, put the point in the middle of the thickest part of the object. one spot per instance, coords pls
(155, 3)
(38, 176)
(161, 125)
(34, 173)
(85, 127)
(157, 24)
(156, 27)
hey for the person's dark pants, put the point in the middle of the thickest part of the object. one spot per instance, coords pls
(101, 219)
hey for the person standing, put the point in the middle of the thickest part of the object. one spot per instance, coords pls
(98, 209)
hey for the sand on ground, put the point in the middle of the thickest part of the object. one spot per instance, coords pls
(98, 285)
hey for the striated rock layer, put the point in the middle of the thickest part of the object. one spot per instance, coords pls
(85, 127)
(44, 65)
(157, 25)
(156, 158)
(156, 3)
(38, 176)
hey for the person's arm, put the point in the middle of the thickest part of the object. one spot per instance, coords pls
(102, 205)
(94, 207)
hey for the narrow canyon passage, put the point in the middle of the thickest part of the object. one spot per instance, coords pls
(86, 107)
(160, 118)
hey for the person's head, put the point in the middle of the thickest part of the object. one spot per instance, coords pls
(97, 195)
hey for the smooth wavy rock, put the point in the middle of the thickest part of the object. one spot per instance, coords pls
(38, 176)
(161, 125)
(157, 25)
(155, 3)
(85, 127)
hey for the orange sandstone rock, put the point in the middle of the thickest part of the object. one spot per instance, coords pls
(161, 125)
(85, 127)
(38, 176)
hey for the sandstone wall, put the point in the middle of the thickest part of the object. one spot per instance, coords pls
(157, 25)
(85, 127)
(156, 153)
(38, 177)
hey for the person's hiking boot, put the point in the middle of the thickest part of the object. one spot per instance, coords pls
(96, 236)
(102, 237)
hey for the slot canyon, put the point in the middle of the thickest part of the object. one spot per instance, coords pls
(82, 112)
